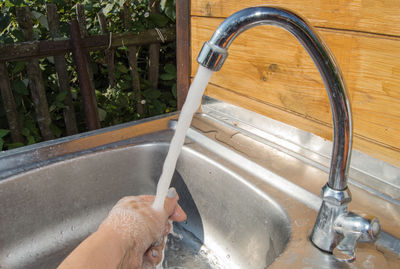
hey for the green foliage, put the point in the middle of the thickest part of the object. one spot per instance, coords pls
(116, 104)
(2, 134)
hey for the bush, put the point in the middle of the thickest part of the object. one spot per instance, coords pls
(116, 104)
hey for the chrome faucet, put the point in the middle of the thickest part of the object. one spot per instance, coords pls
(336, 230)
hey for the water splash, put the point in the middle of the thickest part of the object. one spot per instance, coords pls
(190, 106)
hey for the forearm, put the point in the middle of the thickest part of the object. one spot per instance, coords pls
(100, 250)
(126, 237)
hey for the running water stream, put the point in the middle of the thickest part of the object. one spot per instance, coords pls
(190, 106)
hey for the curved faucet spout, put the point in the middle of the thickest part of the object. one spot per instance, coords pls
(214, 53)
(336, 230)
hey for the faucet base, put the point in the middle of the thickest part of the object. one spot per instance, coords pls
(337, 230)
(334, 204)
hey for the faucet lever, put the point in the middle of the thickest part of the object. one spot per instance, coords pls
(345, 250)
(354, 228)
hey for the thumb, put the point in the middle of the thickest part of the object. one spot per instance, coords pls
(171, 201)
(172, 208)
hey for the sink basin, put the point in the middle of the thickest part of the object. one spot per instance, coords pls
(46, 212)
(251, 195)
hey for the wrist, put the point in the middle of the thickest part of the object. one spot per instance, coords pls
(121, 249)
(110, 237)
(108, 246)
(101, 250)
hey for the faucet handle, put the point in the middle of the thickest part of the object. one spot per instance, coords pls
(354, 228)
(345, 250)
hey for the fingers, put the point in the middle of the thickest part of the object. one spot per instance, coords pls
(173, 210)
(154, 254)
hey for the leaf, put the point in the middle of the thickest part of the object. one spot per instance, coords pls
(98, 93)
(25, 132)
(18, 35)
(41, 18)
(151, 93)
(125, 85)
(102, 114)
(5, 19)
(121, 2)
(36, 14)
(55, 130)
(170, 68)
(167, 76)
(15, 145)
(43, 21)
(6, 39)
(42, 66)
(122, 68)
(19, 87)
(162, 4)
(74, 93)
(8, 3)
(31, 140)
(172, 103)
(19, 66)
(52, 108)
(168, 7)
(51, 59)
(61, 96)
(174, 91)
(158, 19)
(108, 8)
(3, 132)
(26, 81)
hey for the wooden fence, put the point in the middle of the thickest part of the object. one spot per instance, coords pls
(282, 82)
(79, 43)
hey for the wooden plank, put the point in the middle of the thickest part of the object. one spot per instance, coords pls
(382, 17)
(86, 87)
(154, 64)
(284, 77)
(62, 73)
(33, 49)
(321, 129)
(36, 84)
(45, 48)
(133, 66)
(129, 39)
(154, 52)
(109, 52)
(9, 105)
(81, 17)
(182, 50)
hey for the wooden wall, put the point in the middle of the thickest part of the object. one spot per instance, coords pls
(269, 72)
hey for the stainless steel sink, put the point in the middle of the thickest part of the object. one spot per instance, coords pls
(250, 203)
(46, 212)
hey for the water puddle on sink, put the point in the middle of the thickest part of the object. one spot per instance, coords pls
(185, 251)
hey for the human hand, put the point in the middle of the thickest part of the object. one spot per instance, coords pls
(140, 229)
